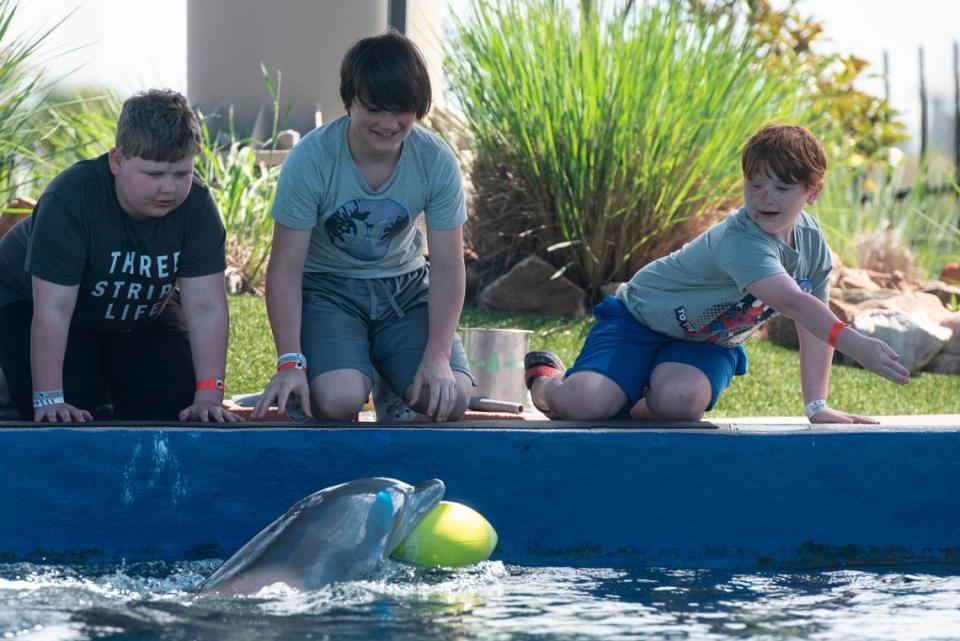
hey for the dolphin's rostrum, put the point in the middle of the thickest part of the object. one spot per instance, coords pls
(337, 534)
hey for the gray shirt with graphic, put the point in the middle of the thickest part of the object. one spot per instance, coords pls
(359, 232)
(699, 291)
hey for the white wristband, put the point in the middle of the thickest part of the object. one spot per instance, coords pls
(47, 397)
(813, 407)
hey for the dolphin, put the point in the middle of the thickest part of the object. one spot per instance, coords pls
(337, 534)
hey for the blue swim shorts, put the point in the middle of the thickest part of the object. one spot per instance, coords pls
(626, 351)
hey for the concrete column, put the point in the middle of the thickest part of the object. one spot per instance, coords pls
(305, 39)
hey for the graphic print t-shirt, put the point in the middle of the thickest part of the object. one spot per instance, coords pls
(699, 291)
(359, 232)
(126, 268)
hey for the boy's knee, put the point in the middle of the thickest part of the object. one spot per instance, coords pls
(343, 405)
(678, 401)
(577, 402)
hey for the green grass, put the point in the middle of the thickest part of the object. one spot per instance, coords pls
(771, 388)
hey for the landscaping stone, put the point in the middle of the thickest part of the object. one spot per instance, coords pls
(528, 287)
(859, 295)
(233, 280)
(947, 293)
(844, 310)
(951, 272)
(8, 219)
(856, 278)
(782, 330)
(919, 304)
(944, 364)
(952, 322)
(915, 338)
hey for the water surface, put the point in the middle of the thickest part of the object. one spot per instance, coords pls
(491, 601)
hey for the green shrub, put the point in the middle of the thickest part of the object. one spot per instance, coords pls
(595, 133)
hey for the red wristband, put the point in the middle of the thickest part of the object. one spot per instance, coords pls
(210, 383)
(288, 365)
(834, 332)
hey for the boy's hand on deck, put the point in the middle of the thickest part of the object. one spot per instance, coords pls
(829, 415)
(874, 355)
(62, 413)
(209, 412)
(434, 374)
(284, 383)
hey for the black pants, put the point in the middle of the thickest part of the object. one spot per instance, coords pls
(146, 373)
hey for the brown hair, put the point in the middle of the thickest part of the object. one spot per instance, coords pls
(386, 72)
(790, 153)
(158, 124)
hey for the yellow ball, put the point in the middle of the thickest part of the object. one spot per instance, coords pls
(451, 535)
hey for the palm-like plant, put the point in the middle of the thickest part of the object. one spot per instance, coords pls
(22, 86)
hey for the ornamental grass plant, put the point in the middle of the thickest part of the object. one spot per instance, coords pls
(243, 186)
(598, 131)
(22, 89)
(879, 220)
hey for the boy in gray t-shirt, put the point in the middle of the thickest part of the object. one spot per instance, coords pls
(670, 341)
(348, 289)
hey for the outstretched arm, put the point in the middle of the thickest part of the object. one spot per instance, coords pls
(782, 293)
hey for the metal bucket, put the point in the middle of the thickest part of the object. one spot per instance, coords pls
(496, 360)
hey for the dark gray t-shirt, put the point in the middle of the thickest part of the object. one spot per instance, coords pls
(699, 291)
(359, 232)
(126, 269)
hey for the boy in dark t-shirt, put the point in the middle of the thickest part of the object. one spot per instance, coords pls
(88, 282)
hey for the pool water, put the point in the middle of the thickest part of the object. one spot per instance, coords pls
(489, 601)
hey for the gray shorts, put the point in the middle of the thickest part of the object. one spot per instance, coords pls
(367, 323)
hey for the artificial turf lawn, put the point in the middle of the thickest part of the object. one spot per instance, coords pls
(771, 388)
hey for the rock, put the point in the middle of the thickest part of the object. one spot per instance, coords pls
(916, 339)
(947, 293)
(233, 280)
(528, 287)
(860, 295)
(951, 272)
(952, 322)
(944, 364)
(782, 330)
(914, 303)
(856, 278)
(8, 218)
(845, 311)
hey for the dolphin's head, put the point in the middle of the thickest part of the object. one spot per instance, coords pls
(411, 504)
(334, 534)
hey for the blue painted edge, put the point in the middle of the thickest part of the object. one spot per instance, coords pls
(706, 498)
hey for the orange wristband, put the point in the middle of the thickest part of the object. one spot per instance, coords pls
(835, 332)
(210, 383)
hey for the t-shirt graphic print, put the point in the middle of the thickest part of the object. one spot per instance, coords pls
(364, 228)
(734, 323)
